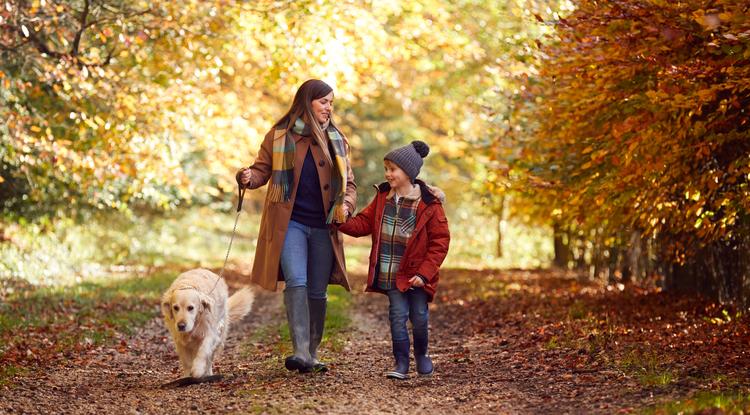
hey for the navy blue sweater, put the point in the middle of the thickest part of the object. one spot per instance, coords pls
(308, 203)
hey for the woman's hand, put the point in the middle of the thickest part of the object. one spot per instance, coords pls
(416, 281)
(245, 177)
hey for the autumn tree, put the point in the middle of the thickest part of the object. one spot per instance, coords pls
(86, 96)
(116, 105)
(642, 136)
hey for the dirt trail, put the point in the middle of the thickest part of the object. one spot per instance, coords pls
(486, 343)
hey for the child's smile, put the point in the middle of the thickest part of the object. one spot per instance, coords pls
(395, 177)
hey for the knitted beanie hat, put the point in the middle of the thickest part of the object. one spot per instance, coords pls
(409, 157)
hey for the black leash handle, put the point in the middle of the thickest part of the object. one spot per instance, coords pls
(242, 196)
(241, 189)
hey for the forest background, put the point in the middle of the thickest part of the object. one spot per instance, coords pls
(606, 137)
(602, 147)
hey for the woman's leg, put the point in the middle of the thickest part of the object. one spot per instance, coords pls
(320, 263)
(419, 314)
(319, 270)
(398, 313)
(294, 256)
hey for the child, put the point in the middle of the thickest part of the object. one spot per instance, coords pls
(409, 242)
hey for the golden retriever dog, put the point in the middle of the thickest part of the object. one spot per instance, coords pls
(197, 311)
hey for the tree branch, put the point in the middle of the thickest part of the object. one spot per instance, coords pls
(40, 45)
(79, 33)
(114, 18)
(109, 56)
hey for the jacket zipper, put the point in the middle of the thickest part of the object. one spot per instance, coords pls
(393, 238)
(374, 285)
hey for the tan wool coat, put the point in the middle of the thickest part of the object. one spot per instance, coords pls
(276, 215)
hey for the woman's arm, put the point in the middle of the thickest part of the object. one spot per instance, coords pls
(263, 166)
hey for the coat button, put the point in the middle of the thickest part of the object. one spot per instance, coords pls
(315, 143)
(321, 163)
(326, 187)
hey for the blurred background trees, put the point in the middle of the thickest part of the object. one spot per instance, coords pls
(606, 137)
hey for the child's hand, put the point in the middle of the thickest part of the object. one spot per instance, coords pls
(416, 281)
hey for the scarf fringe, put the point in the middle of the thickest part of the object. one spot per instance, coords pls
(279, 192)
(336, 215)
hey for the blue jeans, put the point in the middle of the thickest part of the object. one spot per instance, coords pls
(411, 305)
(307, 259)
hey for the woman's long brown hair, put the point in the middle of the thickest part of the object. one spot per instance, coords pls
(310, 90)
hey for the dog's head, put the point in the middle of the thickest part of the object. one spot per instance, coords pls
(183, 306)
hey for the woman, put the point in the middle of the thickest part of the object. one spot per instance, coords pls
(305, 156)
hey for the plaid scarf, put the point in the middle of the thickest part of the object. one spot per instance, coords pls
(397, 225)
(282, 176)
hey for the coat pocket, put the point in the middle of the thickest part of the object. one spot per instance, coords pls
(265, 232)
(413, 264)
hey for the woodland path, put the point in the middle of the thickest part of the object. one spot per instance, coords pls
(502, 342)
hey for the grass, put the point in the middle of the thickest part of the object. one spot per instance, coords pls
(39, 325)
(705, 402)
(72, 253)
(10, 371)
(552, 344)
(474, 241)
(578, 310)
(69, 287)
(338, 319)
(276, 336)
(647, 367)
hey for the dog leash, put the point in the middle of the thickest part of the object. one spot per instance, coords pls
(241, 190)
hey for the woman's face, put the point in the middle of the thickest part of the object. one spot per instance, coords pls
(322, 108)
(394, 175)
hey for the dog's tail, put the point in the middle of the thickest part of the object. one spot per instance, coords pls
(240, 303)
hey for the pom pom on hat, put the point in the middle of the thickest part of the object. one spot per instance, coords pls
(421, 147)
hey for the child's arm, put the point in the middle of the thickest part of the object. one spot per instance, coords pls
(438, 240)
(360, 225)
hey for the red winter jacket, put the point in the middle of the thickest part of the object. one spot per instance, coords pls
(426, 248)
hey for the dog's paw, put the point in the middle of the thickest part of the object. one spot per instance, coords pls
(200, 370)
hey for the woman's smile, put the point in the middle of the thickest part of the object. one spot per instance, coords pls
(322, 108)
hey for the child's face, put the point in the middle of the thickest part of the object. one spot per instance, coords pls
(394, 175)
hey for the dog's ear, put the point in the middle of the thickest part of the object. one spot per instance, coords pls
(207, 302)
(166, 306)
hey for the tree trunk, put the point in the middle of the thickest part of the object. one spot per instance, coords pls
(614, 260)
(597, 255)
(581, 253)
(561, 244)
(632, 269)
(500, 214)
(720, 271)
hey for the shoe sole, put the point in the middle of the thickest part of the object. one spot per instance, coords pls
(294, 364)
(396, 375)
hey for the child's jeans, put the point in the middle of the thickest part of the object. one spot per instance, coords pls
(410, 305)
